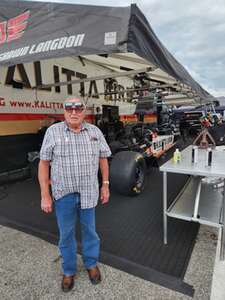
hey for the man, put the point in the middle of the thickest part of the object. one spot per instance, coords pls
(75, 149)
(183, 127)
(98, 117)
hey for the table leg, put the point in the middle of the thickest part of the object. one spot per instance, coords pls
(165, 207)
(197, 199)
(222, 229)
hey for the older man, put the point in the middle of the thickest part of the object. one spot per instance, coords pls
(75, 150)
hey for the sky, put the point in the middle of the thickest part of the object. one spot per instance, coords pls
(192, 30)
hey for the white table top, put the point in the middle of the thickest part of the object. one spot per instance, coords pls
(185, 166)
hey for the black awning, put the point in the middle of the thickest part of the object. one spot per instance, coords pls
(31, 31)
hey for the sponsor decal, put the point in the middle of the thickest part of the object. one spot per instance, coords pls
(14, 28)
(110, 88)
(64, 42)
(2, 101)
(36, 104)
(110, 38)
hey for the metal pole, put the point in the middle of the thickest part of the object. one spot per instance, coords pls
(165, 207)
(222, 228)
(197, 199)
(100, 77)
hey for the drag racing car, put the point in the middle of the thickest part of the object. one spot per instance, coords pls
(131, 151)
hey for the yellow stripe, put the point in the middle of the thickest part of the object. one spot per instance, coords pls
(20, 127)
(32, 126)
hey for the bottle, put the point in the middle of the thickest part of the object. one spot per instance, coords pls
(209, 157)
(177, 156)
(194, 154)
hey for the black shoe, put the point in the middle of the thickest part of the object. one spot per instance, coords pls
(67, 283)
(94, 275)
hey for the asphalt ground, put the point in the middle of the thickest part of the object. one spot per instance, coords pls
(30, 269)
(130, 229)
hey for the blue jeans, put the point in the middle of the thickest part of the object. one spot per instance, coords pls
(67, 211)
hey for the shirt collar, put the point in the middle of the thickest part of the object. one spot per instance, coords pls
(83, 126)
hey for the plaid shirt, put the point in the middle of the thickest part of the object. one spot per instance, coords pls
(75, 160)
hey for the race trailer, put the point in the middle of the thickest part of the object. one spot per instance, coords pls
(105, 55)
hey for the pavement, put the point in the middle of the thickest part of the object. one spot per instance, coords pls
(218, 287)
(30, 269)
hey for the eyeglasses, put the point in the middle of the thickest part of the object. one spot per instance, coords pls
(78, 107)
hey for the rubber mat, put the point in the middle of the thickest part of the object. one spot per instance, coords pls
(130, 228)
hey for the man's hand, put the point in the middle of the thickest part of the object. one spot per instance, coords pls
(43, 176)
(105, 193)
(46, 204)
(104, 167)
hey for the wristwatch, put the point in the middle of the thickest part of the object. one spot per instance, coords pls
(105, 182)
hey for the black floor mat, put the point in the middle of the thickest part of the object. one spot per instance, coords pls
(130, 228)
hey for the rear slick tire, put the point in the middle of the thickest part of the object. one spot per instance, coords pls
(127, 173)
